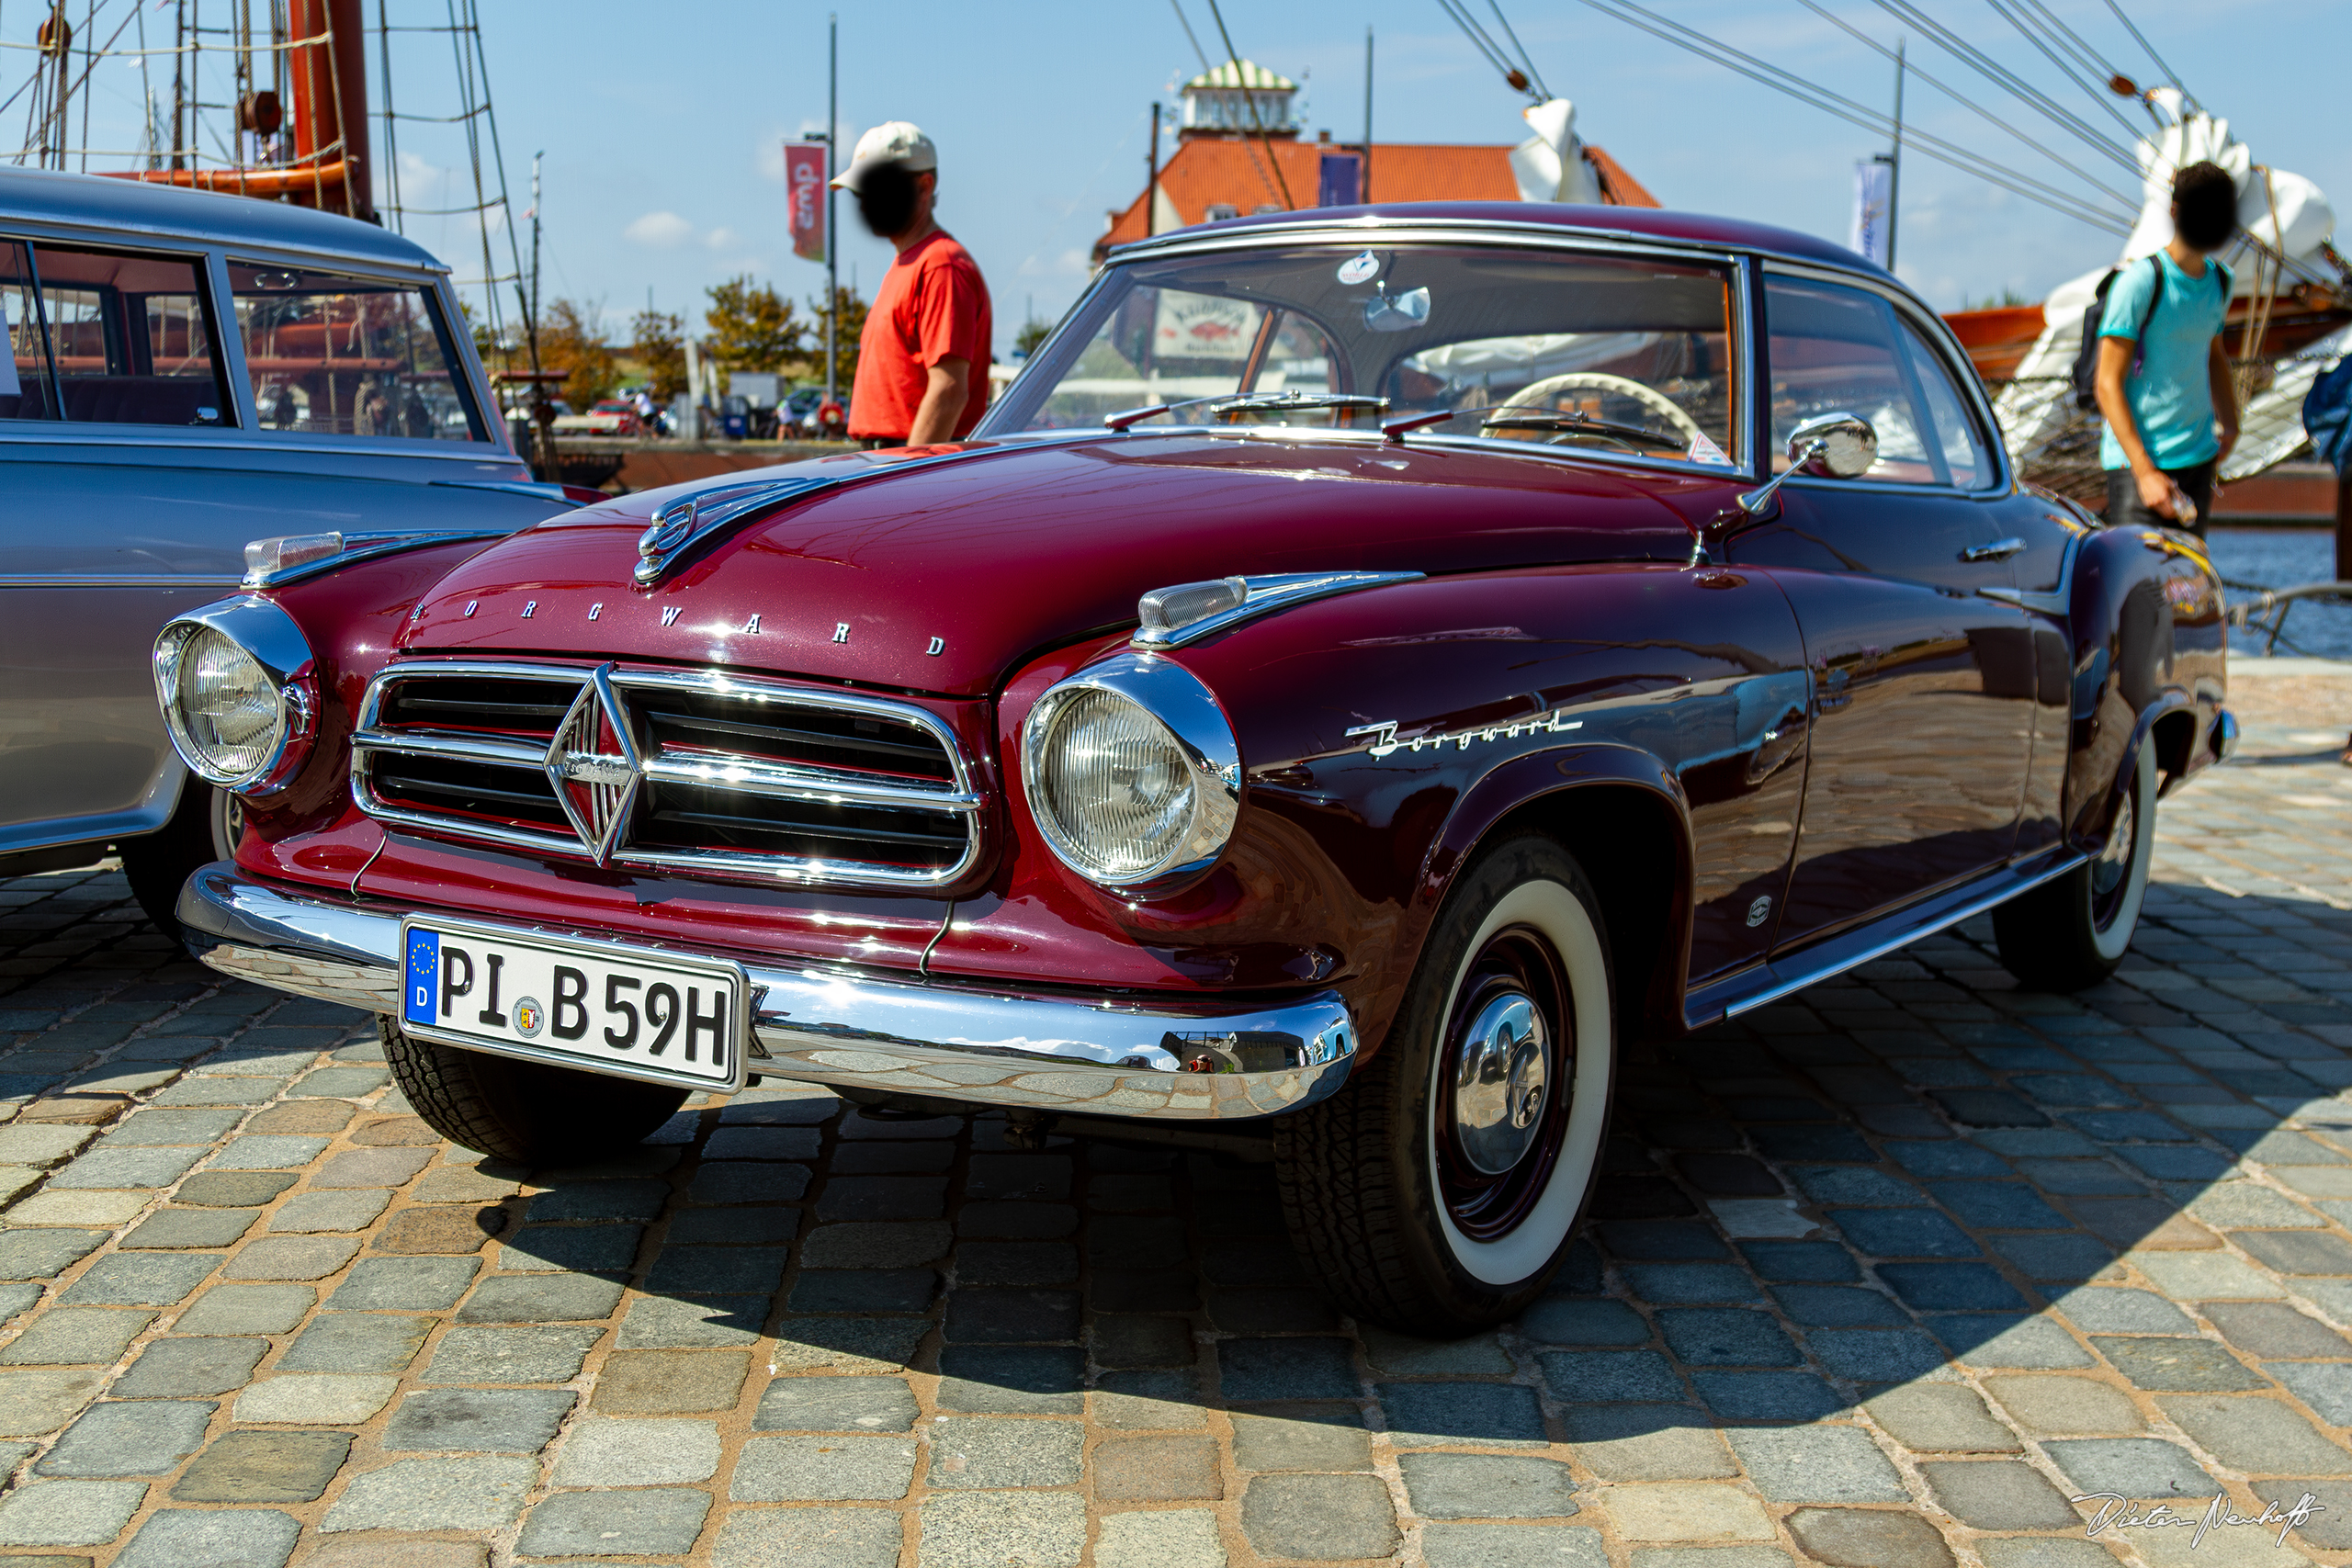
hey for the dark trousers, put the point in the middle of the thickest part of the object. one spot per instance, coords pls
(2124, 498)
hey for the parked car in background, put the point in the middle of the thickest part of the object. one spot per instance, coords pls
(1371, 662)
(187, 373)
(611, 418)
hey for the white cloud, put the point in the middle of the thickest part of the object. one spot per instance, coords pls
(722, 238)
(664, 230)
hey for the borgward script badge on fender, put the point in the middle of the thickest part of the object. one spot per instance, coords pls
(594, 765)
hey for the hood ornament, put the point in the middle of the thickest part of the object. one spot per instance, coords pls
(696, 519)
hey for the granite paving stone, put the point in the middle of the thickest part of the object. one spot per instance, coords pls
(68, 1513)
(989, 1529)
(1428, 1413)
(657, 1521)
(264, 1467)
(836, 1405)
(642, 1453)
(784, 1468)
(2259, 1437)
(356, 1342)
(200, 1537)
(478, 1493)
(656, 1382)
(37, 1400)
(131, 1437)
(2131, 1467)
(194, 1366)
(350, 1210)
(1940, 1418)
(1319, 1518)
(1488, 1486)
(1816, 1465)
(43, 1254)
(1457, 1545)
(810, 1538)
(477, 1420)
(67, 1337)
(189, 1229)
(406, 1284)
(1869, 1537)
(316, 1399)
(291, 1258)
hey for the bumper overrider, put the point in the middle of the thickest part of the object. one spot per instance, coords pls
(1098, 1055)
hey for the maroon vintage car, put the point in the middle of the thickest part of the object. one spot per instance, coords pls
(1371, 663)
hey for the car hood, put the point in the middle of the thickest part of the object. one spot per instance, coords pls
(944, 574)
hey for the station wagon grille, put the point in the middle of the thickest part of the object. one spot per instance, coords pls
(698, 773)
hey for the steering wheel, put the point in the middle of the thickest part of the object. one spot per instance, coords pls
(1658, 403)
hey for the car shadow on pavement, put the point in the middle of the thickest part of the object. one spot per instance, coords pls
(1914, 1201)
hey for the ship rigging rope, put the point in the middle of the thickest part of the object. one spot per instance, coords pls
(1525, 60)
(1844, 108)
(2002, 76)
(1964, 100)
(2170, 74)
(2105, 100)
(1207, 69)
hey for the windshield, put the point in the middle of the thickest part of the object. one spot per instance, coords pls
(1621, 355)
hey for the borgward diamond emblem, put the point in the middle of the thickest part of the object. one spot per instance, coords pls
(593, 764)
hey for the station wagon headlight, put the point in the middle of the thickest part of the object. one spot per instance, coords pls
(238, 693)
(1132, 772)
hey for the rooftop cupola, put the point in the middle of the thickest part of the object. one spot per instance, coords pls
(1220, 102)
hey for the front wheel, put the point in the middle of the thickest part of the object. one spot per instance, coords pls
(524, 1111)
(2071, 933)
(1438, 1191)
(203, 827)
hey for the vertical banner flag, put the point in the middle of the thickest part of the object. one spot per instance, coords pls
(1340, 180)
(1873, 184)
(804, 183)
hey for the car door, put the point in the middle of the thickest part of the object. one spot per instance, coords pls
(1923, 689)
(135, 471)
(104, 340)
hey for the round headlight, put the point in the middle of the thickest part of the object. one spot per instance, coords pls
(227, 706)
(1131, 772)
(234, 710)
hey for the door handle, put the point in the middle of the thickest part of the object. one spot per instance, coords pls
(2000, 549)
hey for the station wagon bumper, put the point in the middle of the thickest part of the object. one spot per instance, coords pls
(1072, 1053)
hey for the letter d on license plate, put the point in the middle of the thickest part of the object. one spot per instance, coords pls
(606, 1007)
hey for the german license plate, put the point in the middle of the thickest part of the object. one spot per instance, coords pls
(606, 1007)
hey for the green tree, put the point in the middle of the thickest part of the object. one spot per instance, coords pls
(572, 339)
(752, 327)
(853, 327)
(658, 342)
(1033, 333)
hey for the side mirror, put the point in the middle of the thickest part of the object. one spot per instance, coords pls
(1835, 445)
(1831, 446)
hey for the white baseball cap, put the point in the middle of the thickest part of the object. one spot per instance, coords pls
(893, 142)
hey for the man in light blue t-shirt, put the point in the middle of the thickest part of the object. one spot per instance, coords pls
(2164, 377)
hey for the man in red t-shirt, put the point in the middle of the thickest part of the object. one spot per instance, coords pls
(922, 361)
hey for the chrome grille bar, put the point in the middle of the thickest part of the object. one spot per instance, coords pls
(912, 821)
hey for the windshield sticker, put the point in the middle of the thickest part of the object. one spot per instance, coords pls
(10, 386)
(1202, 326)
(1705, 451)
(1359, 269)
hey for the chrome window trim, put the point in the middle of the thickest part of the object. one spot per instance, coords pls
(957, 796)
(228, 356)
(27, 431)
(1940, 342)
(185, 236)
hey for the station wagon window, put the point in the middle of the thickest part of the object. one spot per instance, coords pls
(105, 337)
(1617, 354)
(333, 355)
(1839, 350)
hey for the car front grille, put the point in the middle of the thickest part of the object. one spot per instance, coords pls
(699, 774)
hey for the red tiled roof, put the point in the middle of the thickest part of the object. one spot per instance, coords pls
(1206, 169)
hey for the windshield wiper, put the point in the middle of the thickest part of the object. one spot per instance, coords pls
(1529, 417)
(1249, 402)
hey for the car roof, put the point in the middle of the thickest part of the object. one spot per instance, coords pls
(1643, 222)
(134, 206)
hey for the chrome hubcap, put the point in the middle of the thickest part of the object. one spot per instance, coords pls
(1500, 1089)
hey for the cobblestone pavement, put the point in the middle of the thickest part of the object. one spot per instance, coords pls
(1883, 1278)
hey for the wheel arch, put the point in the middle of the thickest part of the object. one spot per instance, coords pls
(1621, 814)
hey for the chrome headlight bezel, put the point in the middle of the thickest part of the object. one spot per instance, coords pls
(1174, 698)
(268, 636)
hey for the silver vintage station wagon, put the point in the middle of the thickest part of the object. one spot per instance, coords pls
(187, 373)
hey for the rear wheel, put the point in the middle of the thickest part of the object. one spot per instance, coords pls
(1438, 1191)
(522, 1112)
(204, 827)
(2071, 932)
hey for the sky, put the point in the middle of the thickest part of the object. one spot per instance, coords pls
(663, 168)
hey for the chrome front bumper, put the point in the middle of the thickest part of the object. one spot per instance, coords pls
(1096, 1056)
